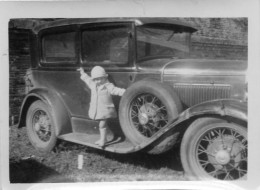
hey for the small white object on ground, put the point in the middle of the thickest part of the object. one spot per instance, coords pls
(80, 161)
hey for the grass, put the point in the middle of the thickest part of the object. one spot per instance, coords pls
(61, 165)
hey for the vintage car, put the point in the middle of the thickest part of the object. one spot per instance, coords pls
(171, 97)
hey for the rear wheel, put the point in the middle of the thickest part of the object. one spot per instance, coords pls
(40, 127)
(212, 148)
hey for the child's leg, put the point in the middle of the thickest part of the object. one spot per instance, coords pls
(103, 124)
(103, 132)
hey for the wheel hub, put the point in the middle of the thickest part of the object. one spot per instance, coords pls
(143, 118)
(42, 125)
(147, 111)
(222, 157)
(224, 151)
(148, 114)
(37, 127)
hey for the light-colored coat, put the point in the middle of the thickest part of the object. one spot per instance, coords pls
(101, 103)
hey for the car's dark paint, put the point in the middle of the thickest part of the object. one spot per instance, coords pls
(59, 111)
(60, 86)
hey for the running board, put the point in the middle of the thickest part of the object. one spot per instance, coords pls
(117, 145)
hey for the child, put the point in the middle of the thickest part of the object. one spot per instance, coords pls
(101, 104)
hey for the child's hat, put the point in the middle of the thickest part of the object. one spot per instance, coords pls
(98, 72)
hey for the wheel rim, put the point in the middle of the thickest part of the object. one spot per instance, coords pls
(222, 153)
(41, 125)
(148, 114)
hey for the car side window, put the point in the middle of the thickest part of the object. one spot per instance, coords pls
(59, 47)
(105, 45)
(162, 41)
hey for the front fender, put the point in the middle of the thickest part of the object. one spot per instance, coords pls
(168, 136)
(60, 114)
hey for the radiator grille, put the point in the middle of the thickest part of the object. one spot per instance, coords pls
(191, 94)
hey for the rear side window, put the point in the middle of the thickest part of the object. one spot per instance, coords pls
(59, 47)
(106, 45)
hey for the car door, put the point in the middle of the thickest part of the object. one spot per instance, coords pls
(57, 72)
(110, 45)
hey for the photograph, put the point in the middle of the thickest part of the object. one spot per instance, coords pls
(135, 89)
(96, 99)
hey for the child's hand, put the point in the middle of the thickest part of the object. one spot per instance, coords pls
(81, 70)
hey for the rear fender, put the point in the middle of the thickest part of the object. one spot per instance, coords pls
(61, 116)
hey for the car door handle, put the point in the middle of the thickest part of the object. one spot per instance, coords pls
(131, 78)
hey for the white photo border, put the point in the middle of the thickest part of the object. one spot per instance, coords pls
(138, 8)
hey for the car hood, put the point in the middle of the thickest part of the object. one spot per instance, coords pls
(195, 66)
(205, 67)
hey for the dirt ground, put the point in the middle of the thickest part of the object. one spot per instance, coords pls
(61, 165)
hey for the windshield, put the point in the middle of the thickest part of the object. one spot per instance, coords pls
(162, 41)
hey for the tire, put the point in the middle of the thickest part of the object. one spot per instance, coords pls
(214, 149)
(40, 127)
(145, 108)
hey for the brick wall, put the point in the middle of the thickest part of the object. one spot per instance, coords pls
(19, 60)
(216, 38)
(219, 38)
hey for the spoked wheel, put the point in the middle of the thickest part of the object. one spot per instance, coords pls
(145, 108)
(213, 148)
(148, 114)
(40, 127)
(222, 153)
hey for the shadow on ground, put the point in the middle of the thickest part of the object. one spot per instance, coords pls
(31, 171)
(170, 159)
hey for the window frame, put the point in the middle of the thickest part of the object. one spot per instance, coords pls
(130, 58)
(59, 30)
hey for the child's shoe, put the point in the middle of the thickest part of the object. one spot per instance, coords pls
(98, 142)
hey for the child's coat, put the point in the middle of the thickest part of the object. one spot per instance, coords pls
(101, 103)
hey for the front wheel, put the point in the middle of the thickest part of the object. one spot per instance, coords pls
(214, 149)
(145, 108)
(40, 127)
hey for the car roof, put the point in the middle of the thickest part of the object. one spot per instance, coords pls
(137, 21)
